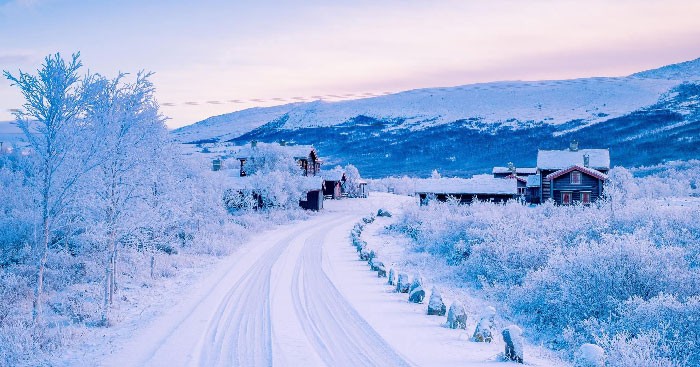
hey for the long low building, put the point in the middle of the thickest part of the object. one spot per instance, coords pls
(465, 190)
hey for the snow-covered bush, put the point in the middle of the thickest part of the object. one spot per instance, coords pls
(624, 271)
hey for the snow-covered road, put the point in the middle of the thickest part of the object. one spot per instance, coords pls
(297, 296)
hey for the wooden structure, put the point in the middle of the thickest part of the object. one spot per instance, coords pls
(464, 191)
(363, 190)
(573, 175)
(333, 184)
(313, 200)
(305, 156)
(216, 164)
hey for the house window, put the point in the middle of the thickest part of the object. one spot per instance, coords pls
(575, 178)
(521, 191)
(566, 197)
(585, 197)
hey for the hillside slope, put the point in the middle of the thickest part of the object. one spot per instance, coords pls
(645, 118)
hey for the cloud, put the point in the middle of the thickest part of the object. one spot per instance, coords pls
(15, 59)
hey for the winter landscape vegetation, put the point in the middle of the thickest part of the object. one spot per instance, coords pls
(544, 223)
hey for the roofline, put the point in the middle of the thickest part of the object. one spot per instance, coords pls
(589, 171)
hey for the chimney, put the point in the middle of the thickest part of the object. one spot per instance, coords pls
(586, 160)
(573, 146)
(283, 142)
(511, 167)
(253, 143)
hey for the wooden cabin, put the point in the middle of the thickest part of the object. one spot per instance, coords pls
(305, 156)
(333, 184)
(464, 191)
(532, 189)
(313, 197)
(572, 175)
(363, 190)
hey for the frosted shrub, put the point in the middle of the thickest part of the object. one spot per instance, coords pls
(624, 268)
(646, 349)
(590, 280)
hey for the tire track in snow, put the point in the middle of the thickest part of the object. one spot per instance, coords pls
(239, 332)
(337, 332)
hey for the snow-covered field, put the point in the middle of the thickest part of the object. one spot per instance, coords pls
(296, 295)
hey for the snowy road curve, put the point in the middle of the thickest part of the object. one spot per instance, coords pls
(296, 295)
(273, 304)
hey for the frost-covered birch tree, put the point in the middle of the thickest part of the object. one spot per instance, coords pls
(126, 123)
(50, 119)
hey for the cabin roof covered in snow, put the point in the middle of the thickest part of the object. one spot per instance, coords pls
(481, 184)
(589, 171)
(518, 170)
(333, 175)
(560, 159)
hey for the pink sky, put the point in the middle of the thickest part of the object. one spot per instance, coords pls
(219, 51)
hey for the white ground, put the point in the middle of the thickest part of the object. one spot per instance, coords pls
(297, 296)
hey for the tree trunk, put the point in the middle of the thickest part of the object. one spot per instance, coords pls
(38, 291)
(107, 291)
(153, 265)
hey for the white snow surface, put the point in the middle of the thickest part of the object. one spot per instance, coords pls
(560, 159)
(295, 295)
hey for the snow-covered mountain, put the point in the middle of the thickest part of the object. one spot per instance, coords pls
(644, 118)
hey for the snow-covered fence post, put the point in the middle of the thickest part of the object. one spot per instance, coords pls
(512, 336)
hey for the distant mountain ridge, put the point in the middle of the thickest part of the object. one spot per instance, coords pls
(644, 118)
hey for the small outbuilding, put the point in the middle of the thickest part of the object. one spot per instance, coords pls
(333, 184)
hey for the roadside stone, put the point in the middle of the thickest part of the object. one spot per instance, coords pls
(364, 255)
(417, 282)
(457, 316)
(590, 355)
(416, 295)
(402, 283)
(486, 326)
(383, 213)
(435, 305)
(513, 337)
(392, 277)
(381, 270)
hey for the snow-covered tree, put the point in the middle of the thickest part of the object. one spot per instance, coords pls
(51, 119)
(125, 121)
(352, 181)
